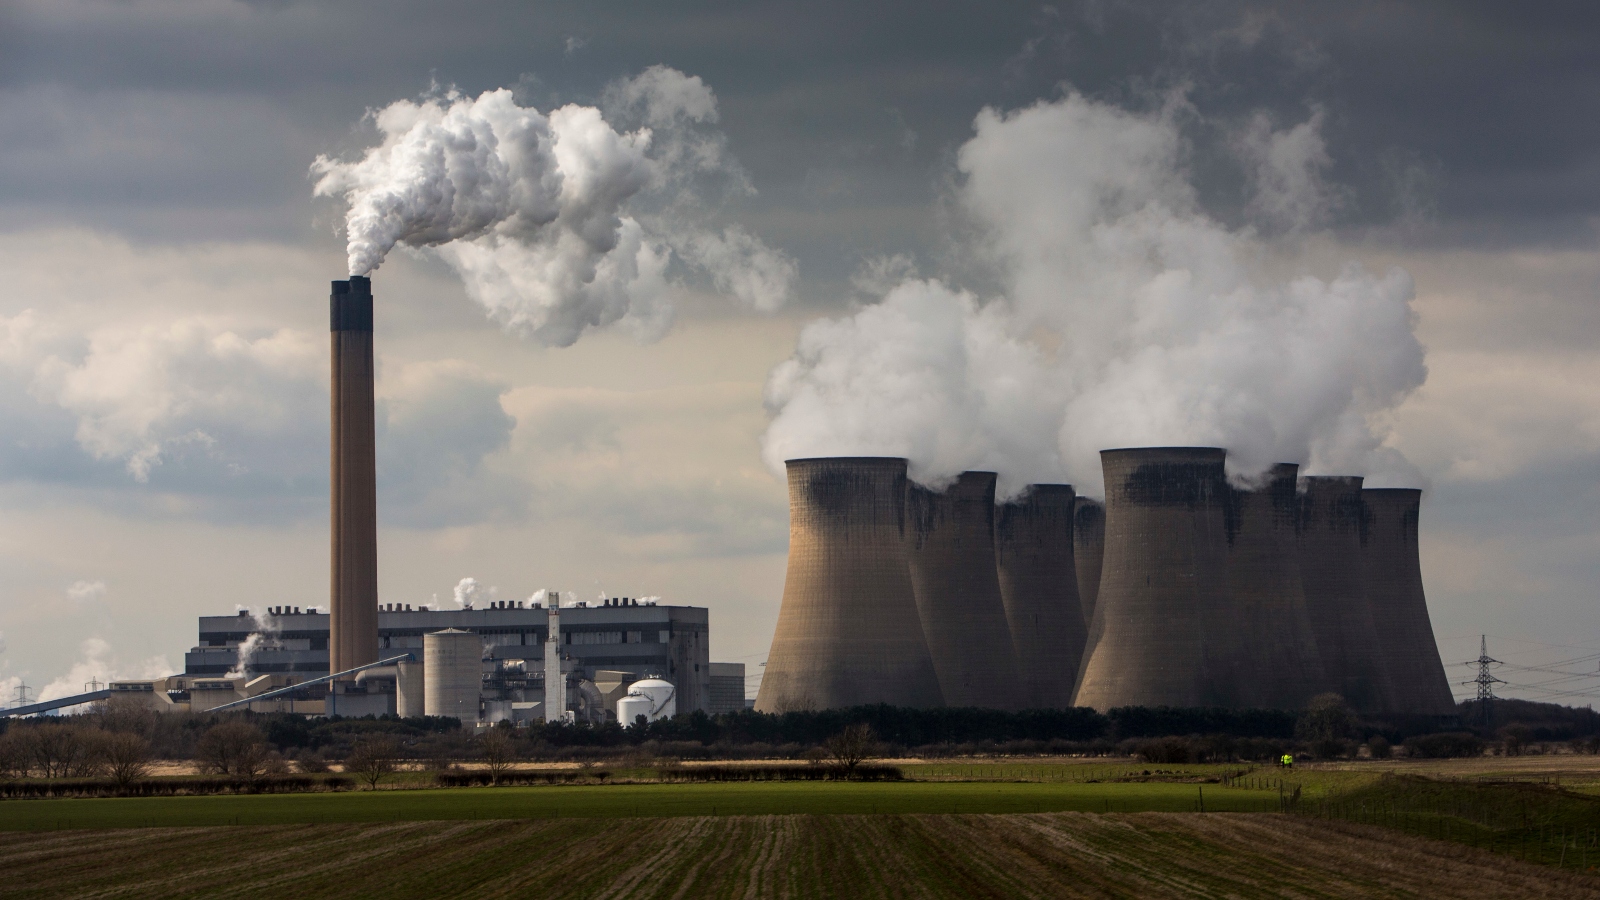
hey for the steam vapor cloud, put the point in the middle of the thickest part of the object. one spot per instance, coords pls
(560, 222)
(1128, 318)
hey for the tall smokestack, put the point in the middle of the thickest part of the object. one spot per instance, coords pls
(1039, 586)
(353, 589)
(1393, 575)
(1088, 551)
(1282, 668)
(950, 536)
(1331, 521)
(847, 630)
(1162, 634)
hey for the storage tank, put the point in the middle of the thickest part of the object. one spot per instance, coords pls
(1332, 518)
(950, 543)
(1155, 638)
(452, 666)
(1392, 573)
(1282, 668)
(411, 688)
(1088, 549)
(1039, 588)
(847, 631)
(652, 698)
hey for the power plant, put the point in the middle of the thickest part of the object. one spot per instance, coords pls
(1039, 586)
(848, 632)
(1181, 589)
(950, 546)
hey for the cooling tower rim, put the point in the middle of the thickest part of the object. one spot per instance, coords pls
(1188, 451)
(1334, 481)
(853, 460)
(1046, 487)
(1394, 493)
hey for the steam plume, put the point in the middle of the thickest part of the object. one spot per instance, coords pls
(1128, 318)
(558, 222)
(264, 628)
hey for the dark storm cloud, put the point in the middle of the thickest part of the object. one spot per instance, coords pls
(178, 117)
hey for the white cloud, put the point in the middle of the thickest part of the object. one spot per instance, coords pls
(85, 592)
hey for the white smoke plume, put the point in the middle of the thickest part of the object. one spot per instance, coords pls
(468, 592)
(558, 222)
(264, 630)
(1128, 318)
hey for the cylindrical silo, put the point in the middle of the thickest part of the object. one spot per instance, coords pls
(950, 542)
(1332, 518)
(1088, 550)
(1155, 640)
(1039, 587)
(847, 631)
(411, 689)
(1283, 670)
(1393, 577)
(452, 674)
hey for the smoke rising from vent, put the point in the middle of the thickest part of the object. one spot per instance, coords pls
(264, 629)
(560, 222)
(1128, 317)
(468, 592)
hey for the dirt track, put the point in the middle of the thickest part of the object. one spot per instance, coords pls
(966, 856)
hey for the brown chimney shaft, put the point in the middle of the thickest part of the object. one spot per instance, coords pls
(353, 588)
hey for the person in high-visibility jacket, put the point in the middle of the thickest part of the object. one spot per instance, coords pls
(1287, 761)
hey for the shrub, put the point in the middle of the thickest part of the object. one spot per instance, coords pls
(1379, 747)
(1166, 751)
(1444, 746)
(233, 748)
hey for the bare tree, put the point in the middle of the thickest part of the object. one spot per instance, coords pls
(60, 751)
(16, 758)
(497, 751)
(372, 759)
(233, 748)
(124, 757)
(851, 747)
(1325, 724)
(124, 713)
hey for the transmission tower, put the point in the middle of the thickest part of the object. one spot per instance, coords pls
(1485, 680)
(21, 699)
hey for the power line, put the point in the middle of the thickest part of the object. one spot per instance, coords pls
(1485, 680)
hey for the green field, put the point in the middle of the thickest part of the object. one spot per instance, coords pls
(619, 800)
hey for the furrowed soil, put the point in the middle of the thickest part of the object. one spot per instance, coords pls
(910, 856)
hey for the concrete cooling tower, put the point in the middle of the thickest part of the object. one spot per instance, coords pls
(1039, 588)
(950, 542)
(1162, 634)
(353, 588)
(1393, 576)
(1331, 520)
(1283, 670)
(1088, 549)
(848, 632)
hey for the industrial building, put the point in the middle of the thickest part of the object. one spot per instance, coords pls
(616, 642)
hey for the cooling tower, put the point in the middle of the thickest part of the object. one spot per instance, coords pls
(1393, 576)
(1039, 587)
(1162, 633)
(353, 589)
(847, 631)
(950, 542)
(1331, 521)
(1282, 668)
(1088, 550)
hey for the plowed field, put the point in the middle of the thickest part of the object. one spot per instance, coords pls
(912, 856)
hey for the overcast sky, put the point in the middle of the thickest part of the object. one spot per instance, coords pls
(164, 270)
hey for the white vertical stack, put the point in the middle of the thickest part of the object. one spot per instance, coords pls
(452, 667)
(555, 684)
(410, 689)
